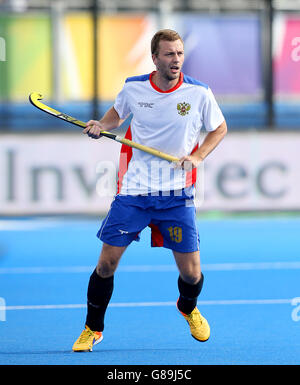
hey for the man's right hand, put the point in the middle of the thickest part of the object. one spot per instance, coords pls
(93, 129)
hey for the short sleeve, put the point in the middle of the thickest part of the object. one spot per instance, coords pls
(121, 104)
(212, 114)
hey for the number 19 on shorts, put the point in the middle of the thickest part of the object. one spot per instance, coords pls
(175, 234)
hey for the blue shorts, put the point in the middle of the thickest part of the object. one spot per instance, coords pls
(172, 220)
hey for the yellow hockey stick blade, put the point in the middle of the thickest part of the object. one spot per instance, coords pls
(35, 98)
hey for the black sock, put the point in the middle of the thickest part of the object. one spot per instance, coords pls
(98, 296)
(188, 295)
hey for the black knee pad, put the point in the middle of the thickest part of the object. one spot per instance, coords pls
(190, 291)
(188, 295)
(99, 289)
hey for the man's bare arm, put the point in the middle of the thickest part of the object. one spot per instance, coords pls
(109, 121)
(210, 142)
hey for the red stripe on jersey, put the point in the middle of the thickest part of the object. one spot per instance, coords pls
(180, 81)
(157, 239)
(191, 176)
(125, 157)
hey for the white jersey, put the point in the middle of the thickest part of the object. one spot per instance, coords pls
(169, 121)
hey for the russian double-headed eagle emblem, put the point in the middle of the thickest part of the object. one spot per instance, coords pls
(183, 108)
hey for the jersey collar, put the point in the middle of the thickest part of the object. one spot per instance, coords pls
(180, 81)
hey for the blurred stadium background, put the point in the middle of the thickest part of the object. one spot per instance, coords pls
(78, 54)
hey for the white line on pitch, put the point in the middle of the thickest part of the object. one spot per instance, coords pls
(153, 268)
(26, 225)
(154, 304)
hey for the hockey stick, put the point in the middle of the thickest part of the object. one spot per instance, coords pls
(35, 98)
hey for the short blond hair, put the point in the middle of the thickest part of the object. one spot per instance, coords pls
(163, 34)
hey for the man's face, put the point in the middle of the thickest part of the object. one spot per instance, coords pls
(169, 59)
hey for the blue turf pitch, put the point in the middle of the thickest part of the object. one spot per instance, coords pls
(251, 269)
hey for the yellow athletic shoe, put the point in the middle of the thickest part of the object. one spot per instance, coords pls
(87, 340)
(199, 326)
